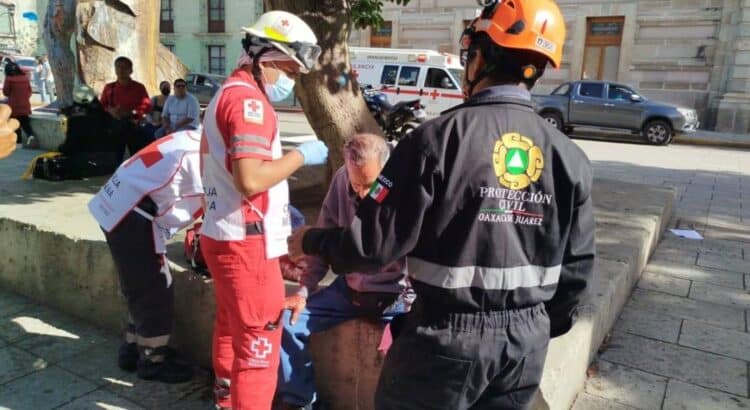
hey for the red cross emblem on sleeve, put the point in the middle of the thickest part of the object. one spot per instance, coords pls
(253, 111)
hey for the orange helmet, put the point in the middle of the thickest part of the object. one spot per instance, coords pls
(533, 25)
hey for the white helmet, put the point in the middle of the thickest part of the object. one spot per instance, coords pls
(287, 33)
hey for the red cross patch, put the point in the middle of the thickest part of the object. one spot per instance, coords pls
(260, 348)
(253, 111)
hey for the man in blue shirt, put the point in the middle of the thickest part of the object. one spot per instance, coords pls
(181, 111)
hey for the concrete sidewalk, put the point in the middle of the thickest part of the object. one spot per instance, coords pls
(49, 360)
(682, 341)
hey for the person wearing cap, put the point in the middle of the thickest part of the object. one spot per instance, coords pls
(492, 208)
(149, 198)
(247, 220)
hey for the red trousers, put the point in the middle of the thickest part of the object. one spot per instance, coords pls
(247, 329)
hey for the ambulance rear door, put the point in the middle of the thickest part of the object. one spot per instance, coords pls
(440, 91)
(406, 85)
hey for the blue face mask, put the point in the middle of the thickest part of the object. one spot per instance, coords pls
(281, 89)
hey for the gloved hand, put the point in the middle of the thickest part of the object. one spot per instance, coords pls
(8, 129)
(314, 152)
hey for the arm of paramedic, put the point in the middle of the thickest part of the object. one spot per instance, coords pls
(250, 142)
(578, 262)
(388, 221)
(317, 267)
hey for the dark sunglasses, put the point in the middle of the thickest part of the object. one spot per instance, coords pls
(180, 85)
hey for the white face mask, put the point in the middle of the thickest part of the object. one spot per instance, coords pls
(281, 89)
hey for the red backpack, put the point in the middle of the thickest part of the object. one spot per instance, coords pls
(193, 252)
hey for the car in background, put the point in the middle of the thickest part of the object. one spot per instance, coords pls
(204, 86)
(613, 106)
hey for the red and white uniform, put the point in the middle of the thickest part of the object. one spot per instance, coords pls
(168, 171)
(241, 123)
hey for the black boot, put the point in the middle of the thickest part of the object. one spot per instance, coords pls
(159, 365)
(127, 357)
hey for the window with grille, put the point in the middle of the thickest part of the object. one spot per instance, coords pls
(216, 60)
(381, 36)
(216, 14)
(166, 21)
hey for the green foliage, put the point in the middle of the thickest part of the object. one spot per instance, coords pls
(369, 13)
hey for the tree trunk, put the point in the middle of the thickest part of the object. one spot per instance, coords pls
(59, 25)
(334, 111)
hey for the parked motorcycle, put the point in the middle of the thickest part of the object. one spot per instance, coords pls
(397, 120)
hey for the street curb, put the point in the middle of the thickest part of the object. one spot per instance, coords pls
(705, 142)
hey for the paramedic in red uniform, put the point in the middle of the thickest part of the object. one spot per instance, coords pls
(247, 206)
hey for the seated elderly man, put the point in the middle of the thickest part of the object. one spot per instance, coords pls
(380, 294)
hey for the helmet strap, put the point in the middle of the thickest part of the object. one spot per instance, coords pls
(257, 74)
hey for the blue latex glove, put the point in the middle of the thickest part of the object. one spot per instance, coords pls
(298, 220)
(314, 152)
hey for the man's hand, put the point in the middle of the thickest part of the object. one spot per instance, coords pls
(7, 131)
(294, 243)
(296, 304)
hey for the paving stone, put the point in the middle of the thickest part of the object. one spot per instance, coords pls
(64, 340)
(664, 283)
(714, 339)
(686, 270)
(676, 255)
(102, 399)
(685, 396)
(675, 306)
(723, 262)
(99, 366)
(627, 385)
(586, 401)
(47, 389)
(738, 233)
(153, 395)
(15, 363)
(649, 324)
(720, 295)
(731, 249)
(10, 304)
(200, 400)
(26, 323)
(682, 363)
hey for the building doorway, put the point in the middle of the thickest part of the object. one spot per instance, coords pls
(601, 58)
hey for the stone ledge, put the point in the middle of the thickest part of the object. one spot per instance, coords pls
(73, 272)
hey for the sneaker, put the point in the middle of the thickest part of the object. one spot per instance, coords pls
(127, 357)
(165, 371)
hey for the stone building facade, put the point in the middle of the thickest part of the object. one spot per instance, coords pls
(694, 53)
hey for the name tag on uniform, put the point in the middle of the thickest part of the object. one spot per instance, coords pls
(254, 111)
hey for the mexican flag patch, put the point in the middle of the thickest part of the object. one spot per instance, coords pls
(378, 192)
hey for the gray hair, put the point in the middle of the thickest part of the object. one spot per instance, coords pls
(363, 147)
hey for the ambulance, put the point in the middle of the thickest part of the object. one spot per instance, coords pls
(402, 74)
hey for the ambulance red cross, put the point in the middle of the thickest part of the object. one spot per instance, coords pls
(402, 74)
